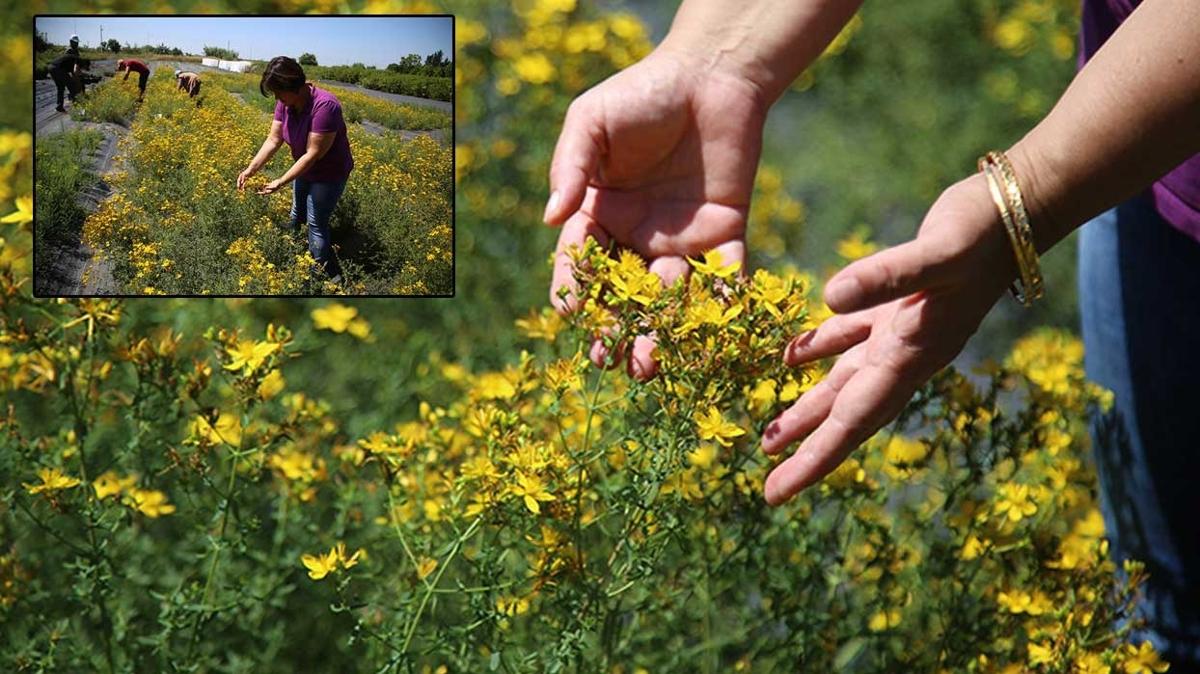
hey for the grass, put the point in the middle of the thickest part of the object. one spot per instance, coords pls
(61, 176)
(112, 100)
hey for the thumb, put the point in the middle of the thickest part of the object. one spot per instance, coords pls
(887, 275)
(576, 156)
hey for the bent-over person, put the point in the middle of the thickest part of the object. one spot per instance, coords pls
(188, 81)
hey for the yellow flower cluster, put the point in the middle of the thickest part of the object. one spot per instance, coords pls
(150, 502)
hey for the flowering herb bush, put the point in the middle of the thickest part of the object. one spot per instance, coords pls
(546, 515)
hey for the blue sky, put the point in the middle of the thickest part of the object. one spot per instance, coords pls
(375, 41)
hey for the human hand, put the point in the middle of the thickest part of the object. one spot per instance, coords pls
(659, 158)
(903, 314)
(271, 187)
(243, 177)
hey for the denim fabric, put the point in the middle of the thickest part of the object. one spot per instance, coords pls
(1139, 294)
(313, 202)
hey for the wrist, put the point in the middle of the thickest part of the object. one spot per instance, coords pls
(1043, 191)
(762, 43)
(720, 52)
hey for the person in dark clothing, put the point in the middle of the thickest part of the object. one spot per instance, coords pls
(65, 71)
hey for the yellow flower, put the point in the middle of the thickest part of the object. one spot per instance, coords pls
(545, 324)
(24, 212)
(335, 317)
(531, 489)
(1019, 601)
(1143, 660)
(271, 385)
(972, 547)
(632, 281)
(1014, 35)
(320, 566)
(150, 502)
(249, 355)
(350, 561)
(425, 567)
(762, 396)
(712, 425)
(359, 328)
(708, 311)
(228, 429)
(479, 468)
(1041, 654)
(534, 68)
(1091, 663)
(512, 606)
(856, 245)
(1015, 502)
(903, 455)
(110, 483)
(53, 479)
(563, 374)
(495, 385)
(883, 620)
(714, 265)
(703, 457)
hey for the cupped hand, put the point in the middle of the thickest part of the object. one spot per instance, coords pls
(243, 177)
(902, 315)
(659, 158)
(271, 187)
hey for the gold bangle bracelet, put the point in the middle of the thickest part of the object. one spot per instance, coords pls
(1005, 217)
(1034, 287)
(1006, 193)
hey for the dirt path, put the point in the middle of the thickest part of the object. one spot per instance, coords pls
(76, 269)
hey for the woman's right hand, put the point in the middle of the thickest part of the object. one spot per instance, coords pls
(243, 176)
(660, 158)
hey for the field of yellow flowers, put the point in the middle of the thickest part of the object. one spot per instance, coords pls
(176, 223)
(432, 486)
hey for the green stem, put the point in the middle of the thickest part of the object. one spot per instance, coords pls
(204, 614)
(412, 626)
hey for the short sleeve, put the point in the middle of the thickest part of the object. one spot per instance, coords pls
(278, 111)
(327, 117)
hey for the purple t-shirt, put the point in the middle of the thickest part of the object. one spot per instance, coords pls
(323, 114)
(1177, 194)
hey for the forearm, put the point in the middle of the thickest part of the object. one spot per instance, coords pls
(264, 155)
(1129, 117)
(766, 42)
(302, 164)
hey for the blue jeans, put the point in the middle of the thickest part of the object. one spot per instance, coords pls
(313, 202)
(1139, 295)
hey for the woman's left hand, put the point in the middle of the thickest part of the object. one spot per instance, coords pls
(271, 187)
(903, 314)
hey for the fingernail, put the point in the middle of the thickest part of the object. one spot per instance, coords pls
(771, 430)
(839, 292)
(551, 206)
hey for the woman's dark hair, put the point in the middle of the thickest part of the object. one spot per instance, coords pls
(281, 74)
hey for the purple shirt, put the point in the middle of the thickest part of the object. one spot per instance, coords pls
(1177, 194)
(323, 114)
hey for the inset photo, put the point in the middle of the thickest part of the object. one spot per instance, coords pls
(243, 156)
